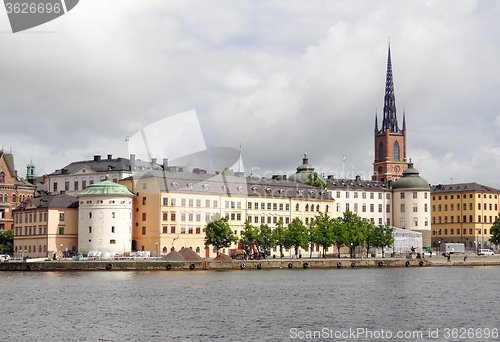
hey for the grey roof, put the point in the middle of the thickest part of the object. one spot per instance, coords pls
(54, 201)
(411, 180)
(357, 184)
(462, 187)
(9, 160)
(104, 165)
(230, 185)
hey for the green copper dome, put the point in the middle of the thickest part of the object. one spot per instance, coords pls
(411, 180)
(107, 188)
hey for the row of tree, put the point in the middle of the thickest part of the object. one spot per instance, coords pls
(349, 230)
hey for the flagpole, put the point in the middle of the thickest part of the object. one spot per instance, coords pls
(343, 164)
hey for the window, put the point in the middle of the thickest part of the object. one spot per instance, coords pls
(183, 202)
(66, 186)
(363, 207)
(215, 204)
(2, 177)
(426, 222)
(372, 207)
(143, 230)
(297, 206)
(446, 232)
(347, 206)
(439, 207)
(380, 208)
(190, 230)
(338, 207)
(172, 216)
(249, 205)
(207, 203)
(387, 208)
(269, 219)
(144, 216)
(172, 230)
(198, 202)
(347, 194)
(281, 206)
(379, 195)
(238, 217)
(415, 208)
(363, 195)
(55, 186)
(90, 230)
(262, 219)
(144, 186)
(198, 231)
(90, 215)
(372, 195)
(76, 185)
(191, 202)
(402, 222)
(112, 229)
(268, 206)
(190, 217)
(451, 207)
(61, 216)
(338, 194)
(61, 230)
(402, 207)
(402, 195)
(425, 207)
(165, 230)
(233, 216)
(355, 207)
(355, 194)
(113, 215)
(396, 151)
(287, 206)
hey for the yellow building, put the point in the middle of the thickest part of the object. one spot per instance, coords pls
(463, 213)
(171, 209)
(46, 225)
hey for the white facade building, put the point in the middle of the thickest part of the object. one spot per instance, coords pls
(105, 218)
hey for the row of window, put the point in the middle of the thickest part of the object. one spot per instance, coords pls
(191, 203)
(414, 195)
(173, 230)
(464, 196)
(355, 208)
(76, 184)
(485, 206)
(414, 207)
(31, 231)
(464, 231)
(32, 217)
(27, 249)
(414, 221)
(464, 219)
(15, 198)
(363, 195)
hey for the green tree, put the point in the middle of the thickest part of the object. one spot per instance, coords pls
(372, 238)
(355, 229)
(296, 236)
(495, 232)
(322, 232)
(339, 234)
(314, 180)
(266, 239)
(385, 237)
(6, 242)
(219, 234)
(250, 233)
(279, 236)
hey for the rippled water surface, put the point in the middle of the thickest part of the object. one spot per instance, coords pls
(266, 305)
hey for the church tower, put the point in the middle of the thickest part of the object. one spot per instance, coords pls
(390, 141)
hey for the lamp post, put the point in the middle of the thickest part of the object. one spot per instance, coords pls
(439, 247)
(61, 249)
(156, 251)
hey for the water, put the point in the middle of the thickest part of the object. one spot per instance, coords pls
(266, 305)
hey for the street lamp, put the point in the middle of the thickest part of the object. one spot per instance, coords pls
(61, 249)
(156, 250)
(439, 247)
(476, 242)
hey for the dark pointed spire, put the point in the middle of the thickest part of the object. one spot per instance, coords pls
(390, 120)
(404, 120)
(376, 122)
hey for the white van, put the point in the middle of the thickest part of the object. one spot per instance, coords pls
(485, 252)
(4, 258)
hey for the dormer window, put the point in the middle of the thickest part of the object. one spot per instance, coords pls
(190, 186)
(268, 190)
(206, 187)
(225, 188)
(255, 189)
(240, 189)
(175, 185)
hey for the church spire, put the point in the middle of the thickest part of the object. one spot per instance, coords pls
(376, 122)
(390, 120)
(404, 120)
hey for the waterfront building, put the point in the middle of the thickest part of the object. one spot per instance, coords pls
(76, 176)
(412, 202)
(463, 213)
(13, 190)
(45, 226)
(172, 208)
(105, 218)
(390, 140)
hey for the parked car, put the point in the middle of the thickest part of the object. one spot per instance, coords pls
(485, 252)
(4, 257)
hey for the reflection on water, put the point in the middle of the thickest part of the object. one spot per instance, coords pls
(242, 305)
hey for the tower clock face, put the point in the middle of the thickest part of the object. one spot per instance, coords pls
(396, 168)
(380, 169)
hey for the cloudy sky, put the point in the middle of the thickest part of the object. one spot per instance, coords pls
(280, 77)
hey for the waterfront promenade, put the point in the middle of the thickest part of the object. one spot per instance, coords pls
(305, 263)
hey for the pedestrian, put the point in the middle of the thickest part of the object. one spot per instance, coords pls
(449, 257)
(466, 258)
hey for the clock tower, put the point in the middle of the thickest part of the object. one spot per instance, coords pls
(390, 141)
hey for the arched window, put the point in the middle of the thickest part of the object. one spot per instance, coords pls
(297, 207)
(327, 207)
(2, 177)
(396, 151)
(307, 207)
(381, 152)
(317, 207)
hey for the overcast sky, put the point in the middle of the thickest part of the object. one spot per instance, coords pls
(280, 77)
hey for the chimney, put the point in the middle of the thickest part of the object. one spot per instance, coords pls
(110, 156)
(45, 179)
(165, 164)
(97, 158)
(132, 162)
(153, 163)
